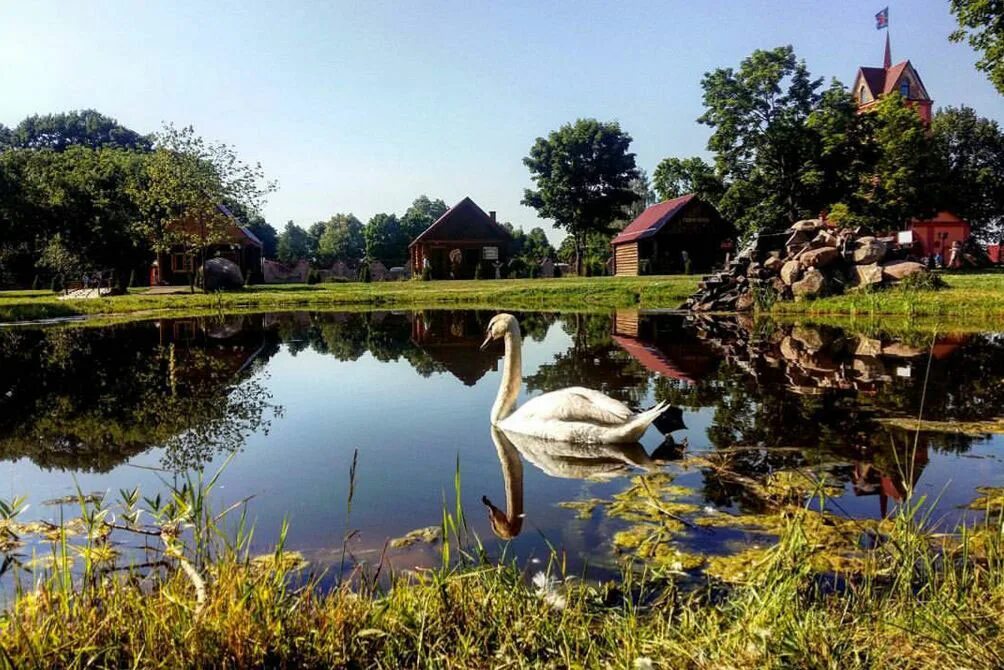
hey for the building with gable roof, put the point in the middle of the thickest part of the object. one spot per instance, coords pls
(871, 83)
(655, 242)
(455, 243)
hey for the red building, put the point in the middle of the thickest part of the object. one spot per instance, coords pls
(935, 236)
(871, 83)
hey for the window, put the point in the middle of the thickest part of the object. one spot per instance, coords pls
(181, 263)
(863, 94)
(904, 88)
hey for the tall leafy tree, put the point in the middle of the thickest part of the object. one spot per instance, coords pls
(981, 23)
(187, 179)
(970, 152)
(762, 147)
(583, 173)
(342, 240)
(422, 214)
(294, 244)
(385, 240)
(674, 177)
(87, 128)
(265, 232)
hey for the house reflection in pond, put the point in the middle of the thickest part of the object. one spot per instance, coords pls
(233, 343)
(869, 480)
(664, 347)
(452, 339)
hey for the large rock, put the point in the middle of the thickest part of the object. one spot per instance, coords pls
(826, 239)
(810, 285)
(867, 346)
(806, 226)
(819, 258)
(774, 264)
(897, 270)
(745, 302)
(868, 250)
(791, 272)
(220, 274)
(866, 275)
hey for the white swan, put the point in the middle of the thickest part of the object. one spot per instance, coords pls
(576, 414)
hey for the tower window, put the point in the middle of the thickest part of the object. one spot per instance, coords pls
(904, 89)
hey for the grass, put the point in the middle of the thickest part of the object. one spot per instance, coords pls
(971, 295)
(976, 299)
(916, 599)
(516, 294)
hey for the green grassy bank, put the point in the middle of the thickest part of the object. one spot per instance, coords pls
(914, 600)
(517, 294)
(977, 298)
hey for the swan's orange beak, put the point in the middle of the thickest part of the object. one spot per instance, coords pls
(484, 345)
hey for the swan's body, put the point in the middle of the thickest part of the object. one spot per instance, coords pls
(575, 415)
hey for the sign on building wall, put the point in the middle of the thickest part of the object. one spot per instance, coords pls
(490, 253)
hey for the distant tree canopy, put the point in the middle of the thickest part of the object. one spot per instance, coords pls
(80, 192)
(674, 177)
(294, 244)
(385, 239)
(85, 128)
(585, 178)
(981, 23)
(422, 214)
(785, 149)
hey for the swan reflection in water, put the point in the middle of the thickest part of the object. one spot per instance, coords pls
(564, 460)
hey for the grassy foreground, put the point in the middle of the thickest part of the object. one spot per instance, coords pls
(570, 293)
(916, 600)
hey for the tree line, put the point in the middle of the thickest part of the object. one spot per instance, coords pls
(784, 148)
(385, 237)
(80, 193)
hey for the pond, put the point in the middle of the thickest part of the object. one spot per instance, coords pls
(288, 400)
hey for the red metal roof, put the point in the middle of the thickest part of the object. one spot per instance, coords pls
(651, 358)
(653, 219)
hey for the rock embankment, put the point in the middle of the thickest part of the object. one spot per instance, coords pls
(812, 260)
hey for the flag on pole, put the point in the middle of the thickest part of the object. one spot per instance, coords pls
(882, 19)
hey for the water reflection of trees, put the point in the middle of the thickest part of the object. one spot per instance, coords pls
(785, 396)
(89, 399)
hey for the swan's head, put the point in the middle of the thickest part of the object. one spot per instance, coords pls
(503, 527)
(498, 327)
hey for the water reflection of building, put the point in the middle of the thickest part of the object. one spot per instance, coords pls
(870, 480)
(663, 346)
(231, 342)
(452, 339)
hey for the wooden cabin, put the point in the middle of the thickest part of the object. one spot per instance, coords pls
(458, 241)
(665, 234)
(238, 244)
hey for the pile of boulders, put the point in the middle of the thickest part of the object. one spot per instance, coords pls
(812, 259)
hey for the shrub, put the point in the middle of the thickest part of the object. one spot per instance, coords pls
(132, 278)
(313, 276)
(479, 270)
(34, 284)
(335, 279)
(426, 273)
(365, 274)
(57, 283)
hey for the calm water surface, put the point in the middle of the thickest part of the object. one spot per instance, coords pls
(294, 395)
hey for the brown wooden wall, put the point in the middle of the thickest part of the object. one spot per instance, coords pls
(626, 259)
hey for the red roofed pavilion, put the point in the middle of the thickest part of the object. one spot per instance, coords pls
(655, 242)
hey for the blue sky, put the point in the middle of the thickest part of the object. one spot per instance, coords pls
(363, 106)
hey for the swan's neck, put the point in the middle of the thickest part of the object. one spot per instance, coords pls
(512, 376)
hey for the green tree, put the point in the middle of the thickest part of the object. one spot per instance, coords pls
(6, 137)
(970, 152)
(385, 240)
(342, 240)
(674, 177)
(294, 244)
(763, 149)
(537, 247)
(265, 232)
(78, 128)
(583, 173)
(422, 214)
(186, 181)
(981, 23)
